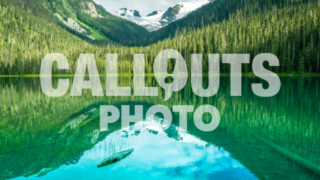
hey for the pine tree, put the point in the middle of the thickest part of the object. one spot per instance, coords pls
(318, 63)
(301, 65)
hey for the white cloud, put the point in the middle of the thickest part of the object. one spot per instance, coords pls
(143, 6)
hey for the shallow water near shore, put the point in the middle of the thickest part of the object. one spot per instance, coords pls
(50, 138)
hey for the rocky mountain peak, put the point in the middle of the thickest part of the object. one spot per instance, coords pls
(171, 13)
(124, 12)
(153, 13)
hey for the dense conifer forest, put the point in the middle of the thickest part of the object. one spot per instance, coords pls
(287, 28)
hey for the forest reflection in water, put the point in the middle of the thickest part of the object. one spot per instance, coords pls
(39, 134)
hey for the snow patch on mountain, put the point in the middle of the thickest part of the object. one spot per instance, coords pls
(193, 5)
(151, 23)
(180, 10)
(154, 17)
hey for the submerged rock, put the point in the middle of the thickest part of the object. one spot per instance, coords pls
(115, 158)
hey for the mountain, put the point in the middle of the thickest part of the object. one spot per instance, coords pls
(158, 19)
(151, 22)
(85, 19)
(32, 34)
(180, 10)
(102, 7)
(90, 19)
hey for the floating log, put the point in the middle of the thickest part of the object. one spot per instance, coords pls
(115, 158)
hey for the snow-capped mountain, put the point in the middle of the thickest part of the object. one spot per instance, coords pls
(180, 10)
(124, 12)
(158, 19)
(151, 22)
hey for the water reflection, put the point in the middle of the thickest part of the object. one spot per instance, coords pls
(155, 156)
(51, 137)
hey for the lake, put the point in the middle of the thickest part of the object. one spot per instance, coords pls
(257, 138)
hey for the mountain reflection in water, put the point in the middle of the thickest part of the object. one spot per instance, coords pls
(156, 156)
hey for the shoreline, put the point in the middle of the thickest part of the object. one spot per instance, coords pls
(152, 75)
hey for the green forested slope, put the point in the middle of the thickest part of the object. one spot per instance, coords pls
(26, 38)
(288, 30)
(218, 11)
(98, 23)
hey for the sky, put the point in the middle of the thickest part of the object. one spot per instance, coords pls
(143, 6)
